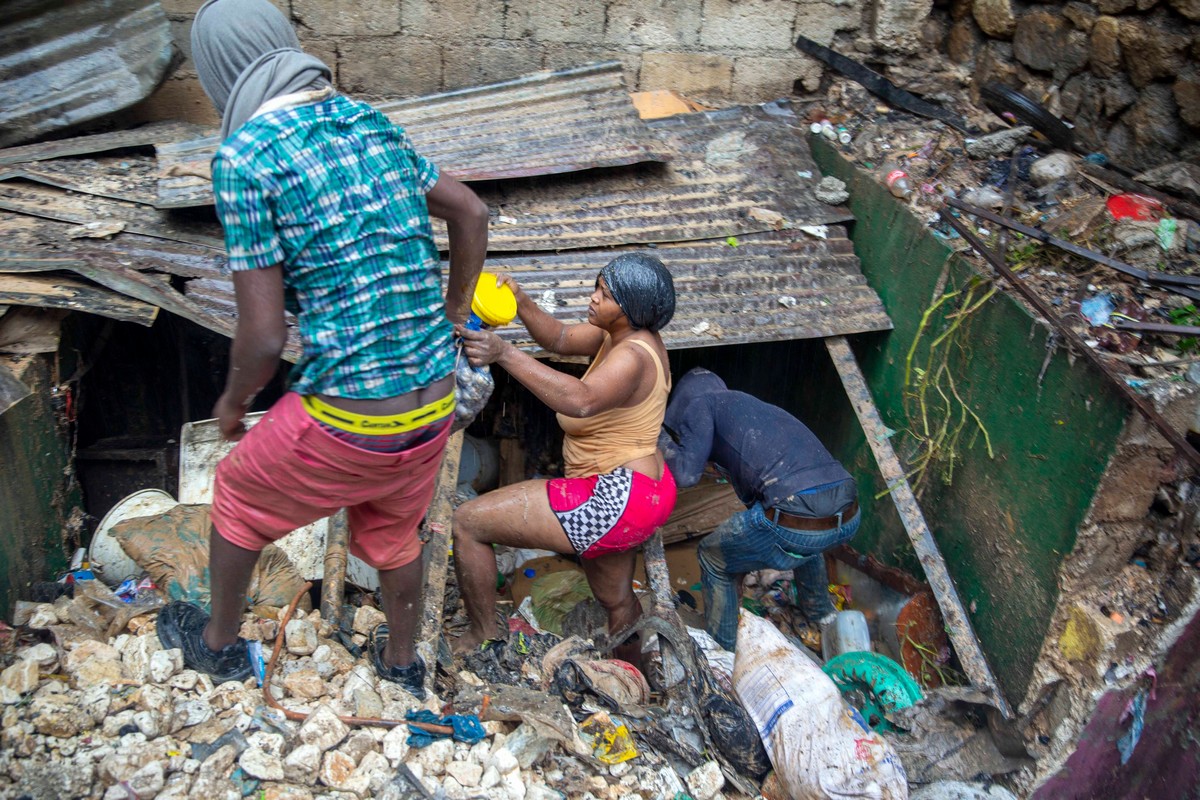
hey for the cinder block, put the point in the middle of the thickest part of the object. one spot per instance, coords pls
(180, 97)
(820, 22)
(564, 56)
(462, 18)
(652, 23)
(554, 21)
(694, 74)
(396, 67)
(757, 79)
(324, 48)
(748, 24)
(479, 62)
(360, 18)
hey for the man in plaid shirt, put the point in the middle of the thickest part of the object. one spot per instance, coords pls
(326, 208)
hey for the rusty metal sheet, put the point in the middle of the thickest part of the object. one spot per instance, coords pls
(52, 291)
(52, 203)
(733, 171)
(69, 61)
(131, 177)
(540, 124)
(772, 286)
(215, 296)
(144, 253)
(149, 134)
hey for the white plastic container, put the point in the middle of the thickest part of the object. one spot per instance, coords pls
(109, 560)
(847, 633)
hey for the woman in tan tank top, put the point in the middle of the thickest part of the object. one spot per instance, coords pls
(617, 488)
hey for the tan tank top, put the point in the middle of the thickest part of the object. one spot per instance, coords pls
(600, 444)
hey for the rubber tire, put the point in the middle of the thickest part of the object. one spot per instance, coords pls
(1000, 98)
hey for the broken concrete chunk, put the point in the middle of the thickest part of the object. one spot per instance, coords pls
(270, 743)
(42, 654)
(300, 765)
(1000, 143)
(136, 655)
(262, 765)
(164, 664)
(43, 616)
(395, 745)
(21, 677)
(503, 760)
(323, 729)
(301, 637)
(58, 716)
(1053, 167)
(305, 683)
(465, 772)
(367, 618)
(336, 768)
(434, 758)
(705, 781)
(192, 712)
(832, 191)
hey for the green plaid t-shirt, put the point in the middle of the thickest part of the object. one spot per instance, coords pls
(334, 192)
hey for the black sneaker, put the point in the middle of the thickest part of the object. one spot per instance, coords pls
(412, 677)
(181, 626)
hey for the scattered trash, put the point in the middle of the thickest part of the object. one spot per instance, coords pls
(466, 728)
(611, 742)
(554, 595)
(819, 231)
(1098, 309)
(1053, 167)
(817, 744)
(846, 633)
(1135, 711)
(1000, 143)
(897, 181)
(1137, 207)
(874, 684)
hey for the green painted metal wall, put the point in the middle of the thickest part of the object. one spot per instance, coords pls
(1006, 523)
(36, 490)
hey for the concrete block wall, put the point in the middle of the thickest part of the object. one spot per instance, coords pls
(716, 51)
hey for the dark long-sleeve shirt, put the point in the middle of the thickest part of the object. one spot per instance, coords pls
(768, 455)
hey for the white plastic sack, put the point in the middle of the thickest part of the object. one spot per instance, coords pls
(820, 746)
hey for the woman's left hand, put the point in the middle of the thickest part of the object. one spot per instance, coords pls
(481, 347)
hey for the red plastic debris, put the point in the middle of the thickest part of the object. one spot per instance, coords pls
(1137, 207)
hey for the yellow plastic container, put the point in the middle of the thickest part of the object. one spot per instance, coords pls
(492, 305)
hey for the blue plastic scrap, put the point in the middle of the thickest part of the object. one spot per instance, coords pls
(467, 728)
(1137, 710)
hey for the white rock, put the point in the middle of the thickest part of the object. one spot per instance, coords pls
(192, 712)
(301, 637)
(434, 758)
(147, 782)
(540, 791)
(96, 702)
(21, 677)
(375, 770)
(479, 752)
(395, 745)
(301, 764)
(468, 773)
(185, 681)
(527, 745)
(149, 723)
(336, 769)
(504, 761)
(490, 778)
(270, 743)
(514, 785)
(164, 664)
(8, 697)
(323, 729)
(1047, 170)
(176, 788)
(322, 654)
(137, 654)
(366, 619)
(705, 781)
(43, 654)
(617, 770)
(262, 765)
(43, 617)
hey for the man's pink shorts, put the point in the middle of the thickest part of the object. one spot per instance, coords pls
(288, 472)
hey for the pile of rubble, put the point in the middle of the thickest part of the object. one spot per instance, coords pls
(122, 719)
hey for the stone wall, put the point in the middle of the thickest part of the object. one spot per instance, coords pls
(719, 51)
(1124, 72)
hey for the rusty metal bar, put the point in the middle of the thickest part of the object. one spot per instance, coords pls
(333, 577)
(436, 554)
(1091, 255)
(958, 624)
(1185, 450)
(1155, 327)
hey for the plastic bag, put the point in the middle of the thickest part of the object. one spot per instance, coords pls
(819, 746)
(472, 388)
(554, 595)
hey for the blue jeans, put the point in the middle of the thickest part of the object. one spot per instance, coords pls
(748, 541)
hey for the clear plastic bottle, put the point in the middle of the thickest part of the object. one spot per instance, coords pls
(898, 182)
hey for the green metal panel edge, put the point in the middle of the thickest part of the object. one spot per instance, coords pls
(1004, 524)
(37, 492)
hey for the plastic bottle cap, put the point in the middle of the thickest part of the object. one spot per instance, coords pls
(494, 305)
(529, 572)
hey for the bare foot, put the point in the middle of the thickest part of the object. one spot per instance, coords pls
(469, 642)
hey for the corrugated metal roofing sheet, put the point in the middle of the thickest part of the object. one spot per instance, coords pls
(69, 61)
(729, 168)
(772, 286)
(540, 124)
(152, 133)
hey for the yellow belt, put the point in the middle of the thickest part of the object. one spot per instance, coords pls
(395, 423)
